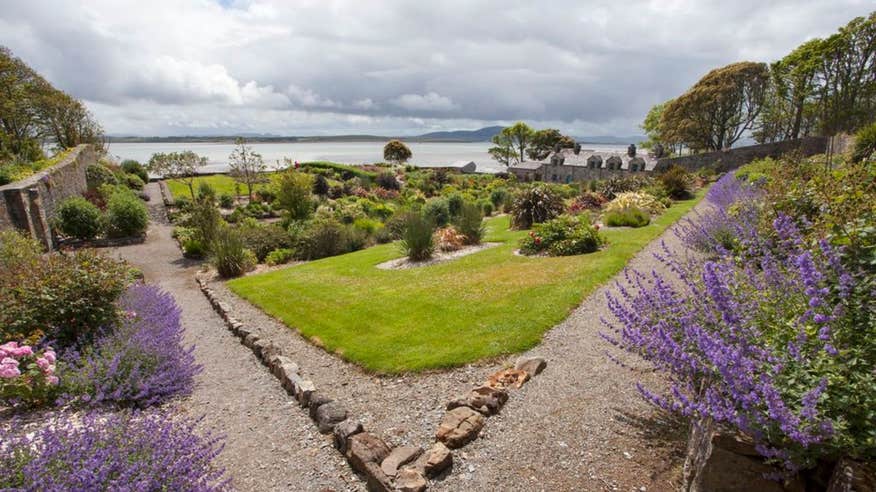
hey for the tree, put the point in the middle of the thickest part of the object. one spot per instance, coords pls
(178, 165)
(396, 151)
(511, 143)
(247, 166)
(652, 126)
(544, 142)
(32, 111)
(293, 190)
(789, 106)
(718, 110)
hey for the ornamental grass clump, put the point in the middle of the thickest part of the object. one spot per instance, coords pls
(229, 254)
(630, 217)
(417, 243)
(110, 451)
(771, 344)
(140, 361)
(470, 223)
(634, 199)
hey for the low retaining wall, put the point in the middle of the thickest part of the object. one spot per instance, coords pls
(733, 158)
(28, 204)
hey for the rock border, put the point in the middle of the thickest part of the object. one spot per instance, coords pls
(384, 469)
(404, 263)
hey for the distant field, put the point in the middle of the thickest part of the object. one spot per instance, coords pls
(486, 304)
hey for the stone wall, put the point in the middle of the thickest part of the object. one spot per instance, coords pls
(733, 158)
(560, 173)
(29, 204)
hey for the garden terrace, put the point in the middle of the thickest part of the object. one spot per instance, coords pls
(483, 305)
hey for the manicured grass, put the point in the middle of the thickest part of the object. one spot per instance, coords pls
(482, 305)
(222, 183)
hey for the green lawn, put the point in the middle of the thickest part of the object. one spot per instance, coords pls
(222, 183)
(482, 305)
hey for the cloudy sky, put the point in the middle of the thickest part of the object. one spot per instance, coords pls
(184, 67)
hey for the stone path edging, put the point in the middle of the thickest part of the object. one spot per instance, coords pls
(404, 468)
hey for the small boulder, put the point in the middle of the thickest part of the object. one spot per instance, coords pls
(243, 332)
(399, 456)
(317, 400)
(289, 378)
(507, 377)
(277, 362)
(410, 480)
(485, 399)
(270, 351)
(364, 448)
(328, 415)
(459, 427)
(250, 340)
(303, 389)
(375, 479)
(343, 432)
(434, 461)
(532, 365)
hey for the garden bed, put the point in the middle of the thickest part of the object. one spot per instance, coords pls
(439, 257)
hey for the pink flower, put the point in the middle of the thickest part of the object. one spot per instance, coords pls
(9, 368)
(50, 355)
(53, 380)
(43, 363)
(11, 349)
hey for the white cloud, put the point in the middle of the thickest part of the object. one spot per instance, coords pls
(431, 101)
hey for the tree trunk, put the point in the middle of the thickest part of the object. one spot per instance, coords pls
(699, 448)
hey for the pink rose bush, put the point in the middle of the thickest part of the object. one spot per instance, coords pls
(26, 374)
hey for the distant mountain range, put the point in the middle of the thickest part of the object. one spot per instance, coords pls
(481, 135)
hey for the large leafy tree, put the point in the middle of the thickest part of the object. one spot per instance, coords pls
(544, 141)
(246, 165)
(717, 111)
(511, 143)
(33, 112)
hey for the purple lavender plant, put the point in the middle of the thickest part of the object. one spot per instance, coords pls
(142, 361)
(128, 451)
(748, 342)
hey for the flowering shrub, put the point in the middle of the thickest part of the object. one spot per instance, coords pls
(587, 201)
(124, 451)
(448, 239)
(563, 236)
(64, 297)
(26, 375)
(140, 361)
(534, 205)
(635, 199)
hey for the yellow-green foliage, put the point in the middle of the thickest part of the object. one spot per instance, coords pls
(635, 199)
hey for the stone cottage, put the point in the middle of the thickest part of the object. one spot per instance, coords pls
(576, 164)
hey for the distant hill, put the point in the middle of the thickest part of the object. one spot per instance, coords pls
(482, 135)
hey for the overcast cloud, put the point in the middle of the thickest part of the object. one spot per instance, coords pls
(175, 67)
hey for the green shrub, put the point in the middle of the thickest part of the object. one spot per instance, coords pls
(226, 200)
(387, 181)
(383, 236)
(78, 218)
(126, 215)
(366, 225)
(134, 182)
(325, 236)
(280, 256)
(17, 249)
(487, 207)
(563, 236)
(417, 243)
(229, 254)
(437, 211)
(865, 143)
(470, 223)
(629, 217)
(205, 220)
(498, 197)
(97, 175)
(535, 204)
(676, 181)
(193, 248)
(133, 167)
(320, 185)
(261, 239)
(454, 204)
(206, 192)
(62, 297)
(182, 202)
(293, 191)
(622, 184)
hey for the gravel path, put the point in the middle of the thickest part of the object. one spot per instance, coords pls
(580, 425)
(270, 444)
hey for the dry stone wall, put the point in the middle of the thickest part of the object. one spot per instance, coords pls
(29, 204)
(733, 158)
